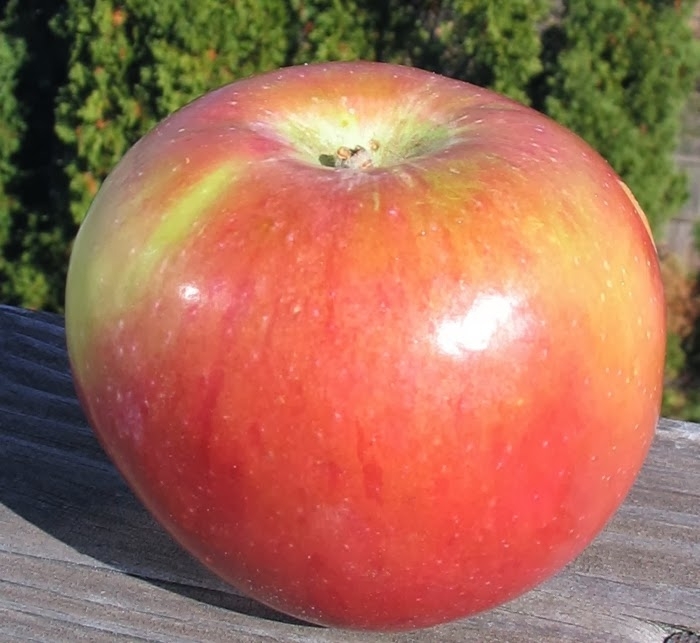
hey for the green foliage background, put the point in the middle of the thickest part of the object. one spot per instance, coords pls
(82, 80)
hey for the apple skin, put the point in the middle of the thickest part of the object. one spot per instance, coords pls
(378, 398)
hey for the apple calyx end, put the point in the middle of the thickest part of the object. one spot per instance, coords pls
(353, 158)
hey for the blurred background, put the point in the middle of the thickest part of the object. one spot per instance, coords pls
(82, 80)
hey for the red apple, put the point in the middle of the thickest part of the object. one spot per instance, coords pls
(380, 348)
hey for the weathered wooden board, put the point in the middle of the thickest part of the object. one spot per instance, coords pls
(80, 559)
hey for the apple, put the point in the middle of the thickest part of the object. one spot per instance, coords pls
(380, 348)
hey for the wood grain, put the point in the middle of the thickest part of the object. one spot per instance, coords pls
(81, 560)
